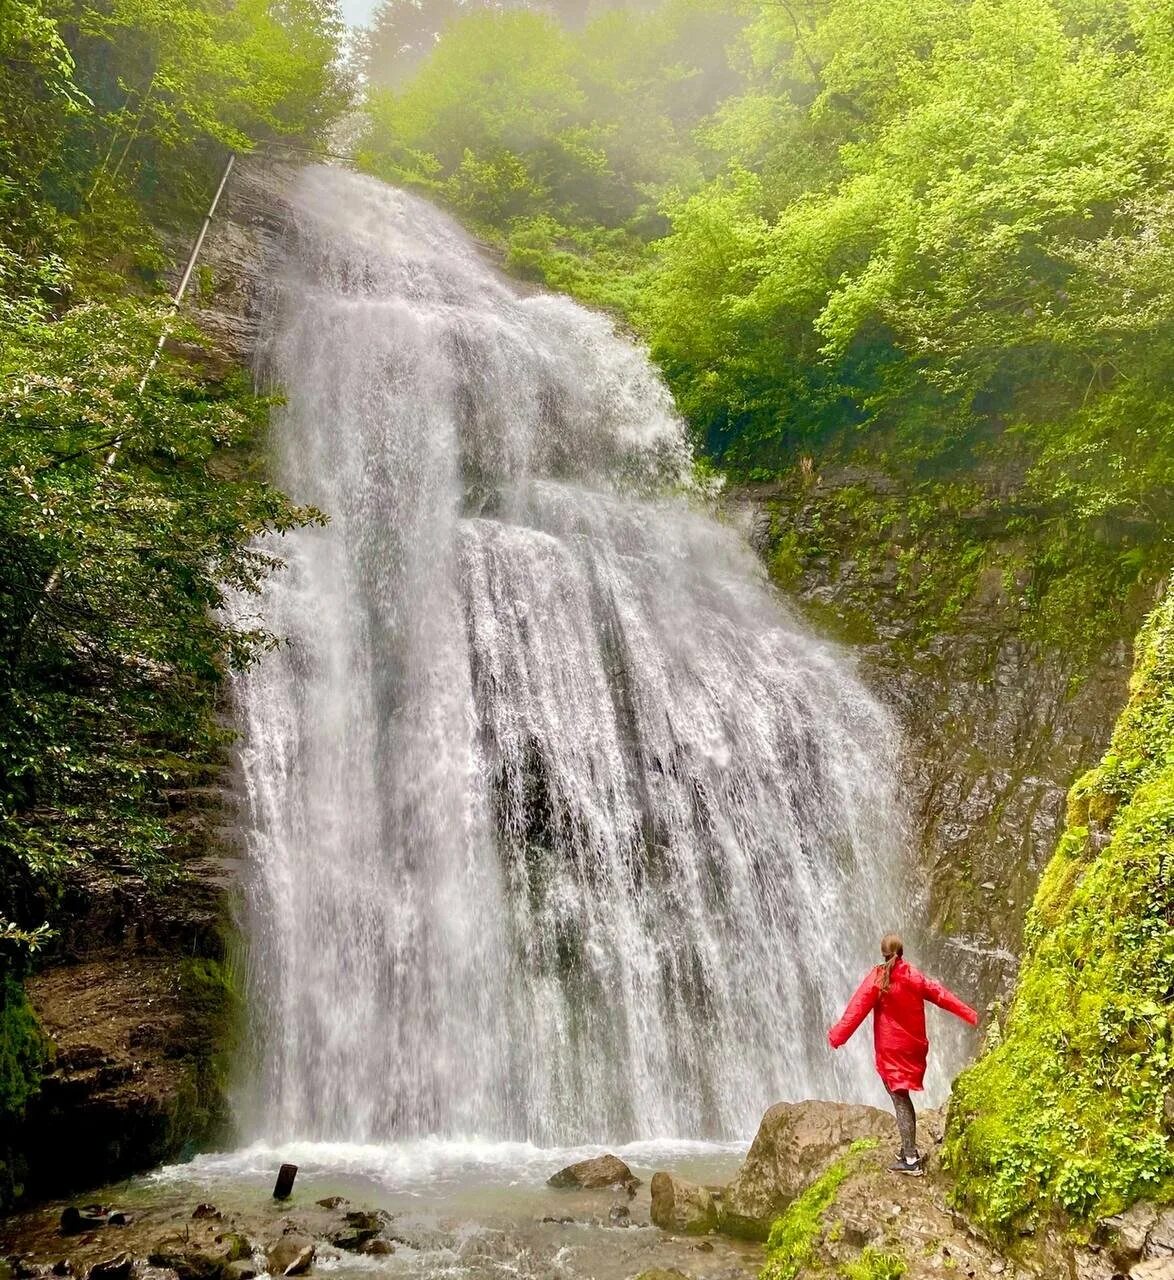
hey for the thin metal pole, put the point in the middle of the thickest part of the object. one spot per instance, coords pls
(183, 288)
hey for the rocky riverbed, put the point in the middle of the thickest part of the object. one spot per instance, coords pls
(509, 1211)
(422, 1209)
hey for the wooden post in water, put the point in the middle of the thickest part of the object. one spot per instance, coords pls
(285, 1180)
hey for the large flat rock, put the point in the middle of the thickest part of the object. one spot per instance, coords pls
(796, 1142)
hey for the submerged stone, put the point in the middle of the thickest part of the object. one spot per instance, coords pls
(681, 1206)
(597, 1173)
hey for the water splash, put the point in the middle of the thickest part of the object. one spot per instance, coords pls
(564, 830)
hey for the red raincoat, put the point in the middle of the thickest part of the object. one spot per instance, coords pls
(898, 1021)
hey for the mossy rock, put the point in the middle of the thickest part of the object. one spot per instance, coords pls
(1065, 1118)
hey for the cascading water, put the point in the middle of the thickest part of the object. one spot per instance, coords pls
(563, 829)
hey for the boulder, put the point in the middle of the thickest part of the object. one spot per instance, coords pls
(352, 1239)
(602, 1171)
(292, 1255)
(619, 1215)
(119, 1267)
(75, 1220)
(189, 1260)
(796, 1142)
(682, 1207)
(377, 1248)
(368, 1220)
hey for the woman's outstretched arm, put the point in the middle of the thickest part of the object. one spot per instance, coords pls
(944, 998)
(859, 1007)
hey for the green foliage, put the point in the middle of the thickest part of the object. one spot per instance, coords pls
(795, 1235)
(123, 519)
(1065, 1114)
(111, 645)
(561, 144)
(872, 1264)
(22, 1048)
(937, 235)
(24, 1051)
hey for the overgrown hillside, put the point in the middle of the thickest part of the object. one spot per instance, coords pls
(1072, 1110)
(123, 516)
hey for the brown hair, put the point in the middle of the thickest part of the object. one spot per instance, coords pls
(892, 948)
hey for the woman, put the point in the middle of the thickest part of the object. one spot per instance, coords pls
(895, 993)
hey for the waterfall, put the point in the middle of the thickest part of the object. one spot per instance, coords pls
(562, 828)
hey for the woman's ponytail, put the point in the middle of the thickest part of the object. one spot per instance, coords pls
(892, 948)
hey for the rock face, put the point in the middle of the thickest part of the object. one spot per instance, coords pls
(682, 1207)
(796, 1141)
(601, 1171)
(998, 722)
(1139, 1241)
(234, 261)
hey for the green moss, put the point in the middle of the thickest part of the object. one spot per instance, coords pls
(22, 1048)
(795, 1235)
(874, 1265)
(1065, 1115)
(24, 1051)
(214, 1001)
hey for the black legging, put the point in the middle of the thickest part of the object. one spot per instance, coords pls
(906, 1121)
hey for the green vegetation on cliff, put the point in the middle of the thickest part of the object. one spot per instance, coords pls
(120, 524)
(123, 518)
(934, 238)
(1070, 1111)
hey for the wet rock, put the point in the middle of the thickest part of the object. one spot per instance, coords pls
(292, 1255)
(796, 1142)
(1142, 1233)
(1160, 1239)
(63, 1267)
(117, 1268)
(1153, 1269)
(368, 1220)
(377, 1248)
(857, 1230)
(203, 1211)
(195, 1258)
(332, 1202)
(619, 1215)
(118, 1218)
(602, 1171)
(681, 1206)
(563, 1220)
(240, 1270)
(352, 1240)
(235, 1246)
(74, 1220)
(701, 1246)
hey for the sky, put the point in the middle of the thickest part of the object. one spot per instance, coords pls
(358, 12)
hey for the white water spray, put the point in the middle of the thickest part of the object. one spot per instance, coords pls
(563, 829)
